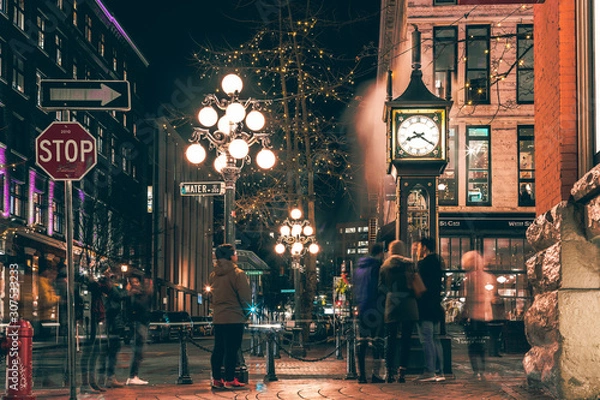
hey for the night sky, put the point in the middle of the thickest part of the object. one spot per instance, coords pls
(168, 33)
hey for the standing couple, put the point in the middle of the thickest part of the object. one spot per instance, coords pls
(387, 302)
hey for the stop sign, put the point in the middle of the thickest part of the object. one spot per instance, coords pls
(66, 151)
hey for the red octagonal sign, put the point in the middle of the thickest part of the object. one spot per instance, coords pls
(66, 151)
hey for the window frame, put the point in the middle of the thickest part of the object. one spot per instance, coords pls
(523, 68)
(469, 138)
(441, 42)
(526, 175)
(449, 177)
(470, 41)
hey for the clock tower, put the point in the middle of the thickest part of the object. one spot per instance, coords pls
(417, 151)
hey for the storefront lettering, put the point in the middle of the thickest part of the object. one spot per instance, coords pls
(450, 223)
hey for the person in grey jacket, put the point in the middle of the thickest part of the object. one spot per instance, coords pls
(395, 281)
(231, 301)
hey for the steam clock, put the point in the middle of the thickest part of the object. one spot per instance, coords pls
(417, 141)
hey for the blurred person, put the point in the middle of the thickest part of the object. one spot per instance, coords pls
(431, 313)
(114, 296)
(48, 299)
(370, 312)
(91, 346)
(395, 281)
(480, 292)
(140, 298)
(231, 301)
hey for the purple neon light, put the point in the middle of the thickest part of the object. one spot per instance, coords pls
(31, 219)
(6, 189)
(121, 31)
(50, 208)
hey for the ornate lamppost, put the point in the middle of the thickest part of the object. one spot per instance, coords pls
(231, 126)
(298, 236)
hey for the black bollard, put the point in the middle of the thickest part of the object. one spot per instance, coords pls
(184, 375)
(271, 343)
(338, 341)
(351, 361)
(277, 338)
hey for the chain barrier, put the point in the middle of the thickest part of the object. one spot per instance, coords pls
(303, 358)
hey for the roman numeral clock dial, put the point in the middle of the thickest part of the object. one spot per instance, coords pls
(418, 135)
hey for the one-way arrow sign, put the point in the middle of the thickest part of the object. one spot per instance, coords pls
(84, 95)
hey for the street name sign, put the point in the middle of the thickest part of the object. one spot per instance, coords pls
(202, 188)
(66, 151)
(84, 95)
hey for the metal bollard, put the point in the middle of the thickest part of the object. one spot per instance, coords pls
(18, 346)
(351, 361)
(259, 350)
(184, 375)
(253, 342)
(271, 343)
(276, 342)
(338, 341)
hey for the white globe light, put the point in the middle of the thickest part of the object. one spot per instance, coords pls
(208, 116)
(296, 213)
(195, 153)
(255, 120)
(313, 248)
(238, 148)
(235, 112)
(265, 159)
(296, 230)
(308, 230)
(220, 162)
(297, 248)
(280, 248)
(284, 230)
(224, 125)
(231, 84)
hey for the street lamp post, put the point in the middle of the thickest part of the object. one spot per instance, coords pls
(298, 236)
(230, 135)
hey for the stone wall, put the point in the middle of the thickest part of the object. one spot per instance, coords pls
(563, 323)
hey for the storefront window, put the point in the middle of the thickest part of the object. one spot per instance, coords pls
(478, 166)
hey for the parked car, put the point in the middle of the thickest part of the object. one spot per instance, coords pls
(203, 326)
(165, 325)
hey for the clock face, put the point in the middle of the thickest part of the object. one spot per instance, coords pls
(418, 135)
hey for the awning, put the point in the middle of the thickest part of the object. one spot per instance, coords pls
(251, 263)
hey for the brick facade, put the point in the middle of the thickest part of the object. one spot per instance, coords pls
(555, 111)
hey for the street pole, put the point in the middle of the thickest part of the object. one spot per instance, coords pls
(230, 175)
(72, 354)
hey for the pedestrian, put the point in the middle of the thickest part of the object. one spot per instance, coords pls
(140, 298)
(431, 313)
(231, 301)
(370, 312)
(480, 293)
(395, 281)
(114, 297)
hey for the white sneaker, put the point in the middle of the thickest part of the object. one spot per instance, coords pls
(135, 381)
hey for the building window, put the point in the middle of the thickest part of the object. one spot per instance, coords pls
(74, 68)
(75, 12)
(477, 66)
(17, 199)
(59, 50)
(100, 139)
(101, 45)
(19, 13)
(115, 60)
(38, 79)
(58, 213)
(38, 209)
(2, 63)
(2, 6)
(60, 4)
(113, 151)
(452, 249)
(88, 28)
(526, 166)
(41, 31)
(18, 82)
(525, 64)
(448, 181)
(478, 166)
(444, 2)
(444, 54)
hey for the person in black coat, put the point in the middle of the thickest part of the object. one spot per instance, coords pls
(431, 313)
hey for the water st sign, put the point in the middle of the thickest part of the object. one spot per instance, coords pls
(202, 188)
(66, 151)
(84, 95)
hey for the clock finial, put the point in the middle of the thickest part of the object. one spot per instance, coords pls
(416, 49)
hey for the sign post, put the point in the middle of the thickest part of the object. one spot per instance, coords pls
(66, 151)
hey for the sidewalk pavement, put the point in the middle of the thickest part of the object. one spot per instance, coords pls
(296, 379)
